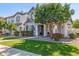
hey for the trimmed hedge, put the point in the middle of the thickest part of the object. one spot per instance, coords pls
(16, 33)
(72, 35)
(23, 33)
(57, 36)
(77, 33)
(26, 33)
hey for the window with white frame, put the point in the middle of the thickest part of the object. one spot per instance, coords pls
(17, 18)
(12, 20)
(29, 28)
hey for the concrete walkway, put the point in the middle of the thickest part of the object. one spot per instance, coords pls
(18, 39)
(7, 51)
(41, 39)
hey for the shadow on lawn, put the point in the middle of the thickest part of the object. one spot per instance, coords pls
(47, 48)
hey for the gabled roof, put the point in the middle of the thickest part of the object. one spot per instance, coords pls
(28, 20)
(16, 14)
(31, 9)
(21, 13)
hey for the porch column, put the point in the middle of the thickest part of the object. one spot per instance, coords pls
(65, 32)
(36, 29)
(45, 30)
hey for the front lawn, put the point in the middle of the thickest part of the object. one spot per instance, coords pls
(7, 37)
(44, 48)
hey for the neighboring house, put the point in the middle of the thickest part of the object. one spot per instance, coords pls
(25, 22)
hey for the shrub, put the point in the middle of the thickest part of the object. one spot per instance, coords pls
(72, 35)
(57, 36)
(10, 37)
(23, 33)
(26, 33)
(29, 33)
(77, 33)
(16, 33)
(0, 32)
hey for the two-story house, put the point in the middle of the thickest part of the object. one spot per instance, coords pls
(25, 21)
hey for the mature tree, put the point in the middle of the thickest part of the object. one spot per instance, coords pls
(2, 22)
(76, 23)
(53, 13)
(4, 25)
(11, 27)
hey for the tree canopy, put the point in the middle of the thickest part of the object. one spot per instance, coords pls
(2, 22)
(55, 12)
(76, 23)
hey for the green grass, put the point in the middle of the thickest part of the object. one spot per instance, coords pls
(6, 37)
(3, 38)
(44, 48)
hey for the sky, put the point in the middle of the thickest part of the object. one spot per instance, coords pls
(9, 9)
(75, 6)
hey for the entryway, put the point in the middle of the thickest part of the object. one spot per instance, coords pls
(40, 30)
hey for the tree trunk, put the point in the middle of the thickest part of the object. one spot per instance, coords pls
(51, 29)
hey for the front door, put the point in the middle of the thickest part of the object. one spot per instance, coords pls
(40, 30)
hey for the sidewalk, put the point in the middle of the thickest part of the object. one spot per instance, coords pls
(7, 51)
(41, 39)
(18, 39)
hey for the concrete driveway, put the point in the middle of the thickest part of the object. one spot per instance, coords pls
(8, 51)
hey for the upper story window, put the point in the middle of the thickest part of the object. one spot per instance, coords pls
(33, 16)
(17, 18)
(28, 19)
(12, 20)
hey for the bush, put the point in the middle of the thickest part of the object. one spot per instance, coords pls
(0, 32)
(57, 36)
(10, 37)
(26, 33)
(16, 33)
(77, 33)
(72, 35)
(23, 33)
